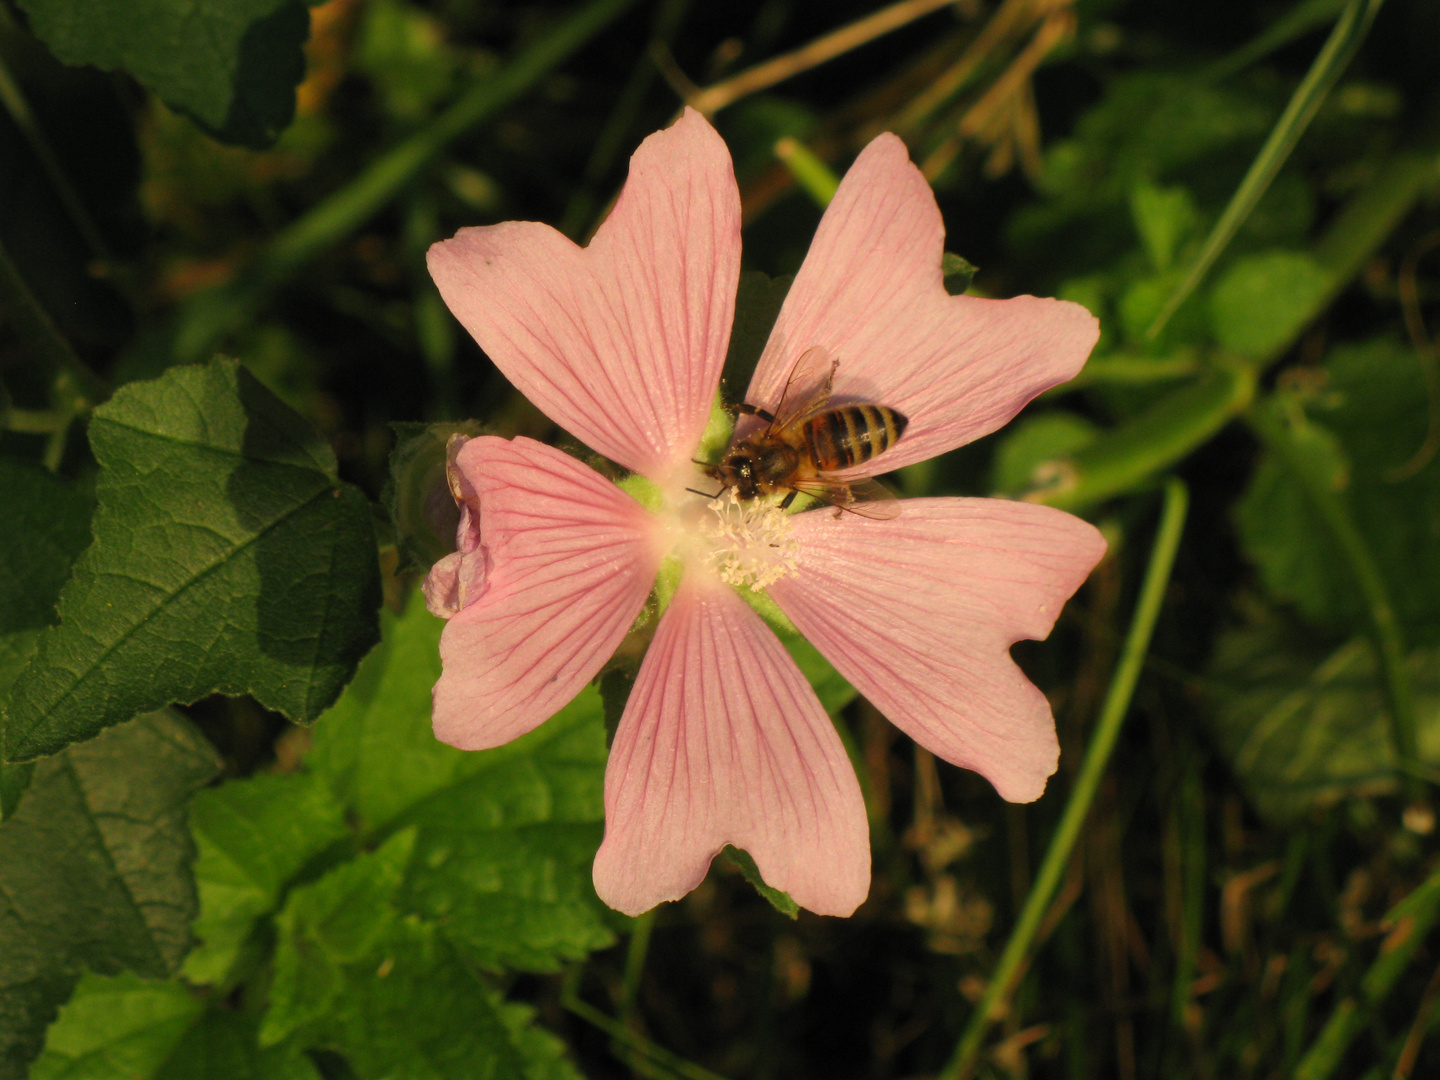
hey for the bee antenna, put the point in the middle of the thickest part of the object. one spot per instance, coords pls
(706, 495)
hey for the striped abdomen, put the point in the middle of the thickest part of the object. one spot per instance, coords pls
(851, 435)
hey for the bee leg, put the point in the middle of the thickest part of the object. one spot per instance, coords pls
(849, 499)
(752, 410)
(790, 498)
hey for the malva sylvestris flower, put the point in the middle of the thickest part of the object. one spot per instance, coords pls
(621, 343)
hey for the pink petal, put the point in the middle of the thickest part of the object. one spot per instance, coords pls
(919, 614)
(622, 342)
(870, 293)
(570, 562)
(724, 742)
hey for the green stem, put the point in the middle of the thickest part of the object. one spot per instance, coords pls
(1128, 369)
(1412, 918)
(217, 313)
(1087, 782)
(37, 422)
(1269, 421)
(572, 1002)
(1334, 57)
(1128, 456)
(635, 955)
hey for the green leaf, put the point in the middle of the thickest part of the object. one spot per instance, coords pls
(232, 65)
(506, 836)
(779, 900)
(1304, 726)
(45, 526)
(120, 1027)
(225, 1044)
(337, 920)
(1164, 218)
(1370, 419)
(1298, 558)
(253, 837)
(226, 557)
(1262, 301)
(97, 871)
(957, 273)
(422, 1014)
(1150, 124)
(387, 990)
(406, 52)
(126, 1028)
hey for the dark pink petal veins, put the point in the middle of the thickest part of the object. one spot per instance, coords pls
(570, 559)
(870, 292)
(919, 614)
(724, 742)
(621, 342)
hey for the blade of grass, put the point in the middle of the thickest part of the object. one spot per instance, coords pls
(1412, 920)
(1117, 703)
(212, 315)
(809, 170)
(1334, 57)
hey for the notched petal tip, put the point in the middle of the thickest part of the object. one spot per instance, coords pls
(871, 294)
(919, 614)
(621, 342)
(724, 742)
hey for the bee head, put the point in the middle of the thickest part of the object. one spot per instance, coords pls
(736, 470)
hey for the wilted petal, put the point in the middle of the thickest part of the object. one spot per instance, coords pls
(724, 742)
(919, 614)
(870, 293)
(454, 583)
(622, 342)
(570, 561)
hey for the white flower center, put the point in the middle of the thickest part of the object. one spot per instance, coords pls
(751, 541)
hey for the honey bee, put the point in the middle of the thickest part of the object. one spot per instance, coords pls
(806, 440)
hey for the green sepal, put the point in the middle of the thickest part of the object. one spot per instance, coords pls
(780, 901)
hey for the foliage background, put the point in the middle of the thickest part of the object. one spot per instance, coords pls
(213, 307)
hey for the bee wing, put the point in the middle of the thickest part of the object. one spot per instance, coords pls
(866, 496)
(807, 390)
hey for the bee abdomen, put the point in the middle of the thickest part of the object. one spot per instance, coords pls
(852, 434)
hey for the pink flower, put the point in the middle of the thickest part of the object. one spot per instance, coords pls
(621, 343)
